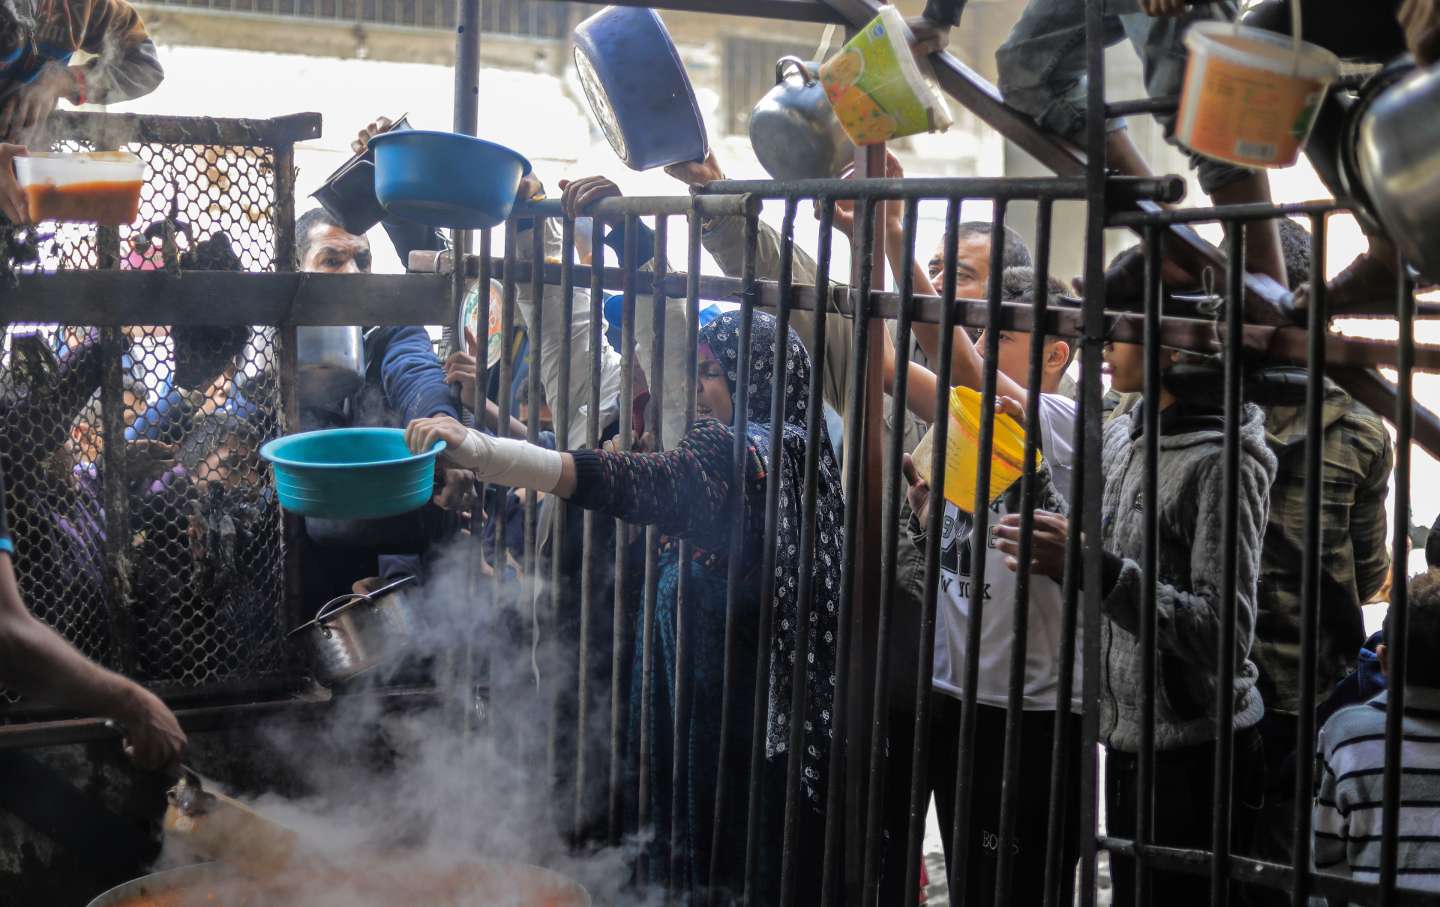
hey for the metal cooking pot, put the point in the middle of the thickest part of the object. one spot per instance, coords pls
(1347, 164)
(1397, 151)
(158, 883)
(638, 88)
(331, 363)
(793, 129)
(354, 633)
(212, 882)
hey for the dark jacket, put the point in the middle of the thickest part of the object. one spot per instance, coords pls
(944, 12)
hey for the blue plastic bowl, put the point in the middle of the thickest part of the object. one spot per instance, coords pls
(444, 179)
(351, 473)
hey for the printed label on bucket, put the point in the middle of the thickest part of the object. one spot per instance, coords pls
(1247, 117)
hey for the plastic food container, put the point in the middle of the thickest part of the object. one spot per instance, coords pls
(1250, 95)
(962, 451)
(444, 179)
(876, 87)
(351, 473)
(97, 187)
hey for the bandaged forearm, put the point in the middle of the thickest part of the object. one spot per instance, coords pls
(505, 461)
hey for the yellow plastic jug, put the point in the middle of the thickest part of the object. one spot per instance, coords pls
(962, 451)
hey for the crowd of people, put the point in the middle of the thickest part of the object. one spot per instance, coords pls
(192, 442)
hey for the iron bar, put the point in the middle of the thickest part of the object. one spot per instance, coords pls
(679, 779)
(1397, 635)
(625, 439)
(561, 413)
(507, 379)
(1163, 105)
(899, 188)
(467, 69)
(979, 549)
(283, 217)
(767, 594)
(934, 528)
(609, 209)
(1149, 563)
(114, 344)
(1020, 636)
(535, 331)
(589, 545)
(805, 582)
(736, 568)
(835, 843)
(1310, 575)
(197, 719)
(1222, 213)
(1342, 889)
(115, 130)
(890, 529)
(652, 545)
(1166, 189)
(1087, 446)
(1229, 564)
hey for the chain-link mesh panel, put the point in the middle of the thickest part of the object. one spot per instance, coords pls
(202, 560)
(207, 562)
(198, 191)
(55, 499)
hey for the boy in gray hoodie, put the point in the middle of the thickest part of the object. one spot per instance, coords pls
(1188, 625)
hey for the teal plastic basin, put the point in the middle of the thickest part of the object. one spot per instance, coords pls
(351, 473)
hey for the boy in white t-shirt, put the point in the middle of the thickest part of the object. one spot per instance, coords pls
(954, 609)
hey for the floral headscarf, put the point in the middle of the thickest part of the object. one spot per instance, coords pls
(722, 337)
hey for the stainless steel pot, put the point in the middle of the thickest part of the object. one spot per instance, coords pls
(331, 363)
(794, 132)
(354, 633)
(1397, 151)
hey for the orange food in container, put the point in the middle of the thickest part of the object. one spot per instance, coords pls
(96, 187)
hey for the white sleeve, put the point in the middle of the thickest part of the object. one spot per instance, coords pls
(552, 340)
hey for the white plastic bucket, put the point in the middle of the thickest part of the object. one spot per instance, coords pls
(1250, 95)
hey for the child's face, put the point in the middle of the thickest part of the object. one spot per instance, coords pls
(712, 391)
(1125, 364)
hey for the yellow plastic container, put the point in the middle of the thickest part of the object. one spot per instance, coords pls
(1250, 95)
(962, 451)
(877, 89)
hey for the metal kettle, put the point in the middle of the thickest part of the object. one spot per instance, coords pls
(793, 131)
(331, 363)
(1396, 147)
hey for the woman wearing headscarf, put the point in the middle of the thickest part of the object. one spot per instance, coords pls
(687, 493)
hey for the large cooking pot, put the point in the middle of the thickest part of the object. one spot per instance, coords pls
(1397, 151)
(353, 633)
(638, 88)
(330, 363)
(793, 129)
(373, 883)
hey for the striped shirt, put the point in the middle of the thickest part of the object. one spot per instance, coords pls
(1348, 814)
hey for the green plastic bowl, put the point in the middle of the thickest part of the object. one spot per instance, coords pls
(351, 473)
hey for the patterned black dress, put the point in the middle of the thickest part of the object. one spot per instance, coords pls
(687, 493)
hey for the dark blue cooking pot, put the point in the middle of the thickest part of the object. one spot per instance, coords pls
(638, 88)
(444, 179)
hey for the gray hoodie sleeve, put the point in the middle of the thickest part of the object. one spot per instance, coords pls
(1188, 620)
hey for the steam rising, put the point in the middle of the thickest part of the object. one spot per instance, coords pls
(445, 785)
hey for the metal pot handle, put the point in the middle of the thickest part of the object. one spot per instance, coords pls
(787, 62)
(334, 606)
